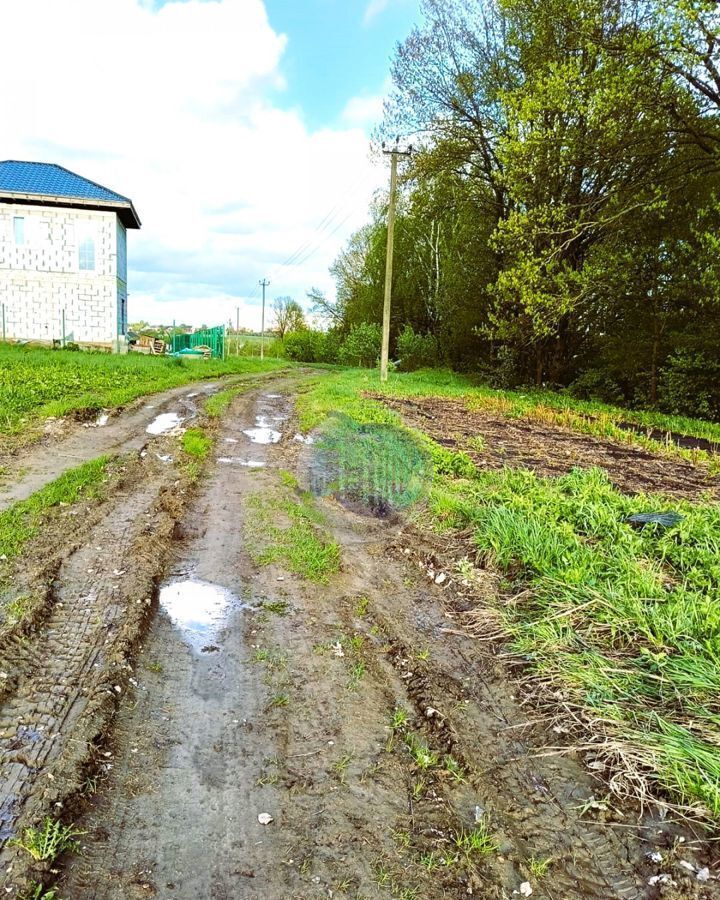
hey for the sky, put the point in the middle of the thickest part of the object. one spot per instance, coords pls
(239, 128)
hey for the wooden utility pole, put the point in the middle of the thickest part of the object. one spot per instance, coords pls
(237, 331)
(385, 350)
(264, 284)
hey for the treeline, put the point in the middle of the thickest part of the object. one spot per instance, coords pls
(559, 220)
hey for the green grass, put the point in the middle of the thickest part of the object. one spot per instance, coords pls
(22, 521)
(196, 443)
(37, 383)
(217, 404)
(621, 626)
(49, 841)
(285, 527)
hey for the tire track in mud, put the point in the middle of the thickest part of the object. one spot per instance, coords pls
(63, 687)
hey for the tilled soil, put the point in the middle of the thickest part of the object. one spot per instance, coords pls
(551, 450)
(273, 695)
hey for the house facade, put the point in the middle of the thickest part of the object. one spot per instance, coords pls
(63, 257)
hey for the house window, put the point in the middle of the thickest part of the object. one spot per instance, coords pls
(19, 228)
(86, 252)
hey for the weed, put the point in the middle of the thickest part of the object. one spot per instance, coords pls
(476, 841)
(431, 861)
(279, 607)
(196, 443)
(423, 655)
(398, 722)
(423, 757)
(361, 606)
(156, 667)
(288, 479)
(17, 609)
(37, 891)
(340, 766)
(402, 838)
(357, 672)
(49, 841)
(417, 790)
(278, 700)
(453, 768)
(539, 866)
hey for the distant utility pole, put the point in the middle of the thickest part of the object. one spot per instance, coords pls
(237, 331)
(385, 351)
(264, 284)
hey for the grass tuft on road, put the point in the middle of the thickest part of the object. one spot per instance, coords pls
(286, 528)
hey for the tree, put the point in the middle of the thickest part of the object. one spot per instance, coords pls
(288, 315)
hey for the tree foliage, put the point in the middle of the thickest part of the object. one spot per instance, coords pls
(560, 221)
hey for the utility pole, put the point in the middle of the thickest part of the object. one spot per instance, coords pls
(237, 331)
(385, 351)
(264, 284)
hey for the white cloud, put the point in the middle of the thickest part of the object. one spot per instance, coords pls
(175, 108)
(363, 112)
(374, 9)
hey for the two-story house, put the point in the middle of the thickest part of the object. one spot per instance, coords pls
(63, 256)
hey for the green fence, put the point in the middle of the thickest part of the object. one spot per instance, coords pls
(214, 338)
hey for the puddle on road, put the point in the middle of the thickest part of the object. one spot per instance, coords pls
(262, 434)
(163, 423)
(273, 396)
(199, 609)
(230, 440)
(239, 461)
(304, 438)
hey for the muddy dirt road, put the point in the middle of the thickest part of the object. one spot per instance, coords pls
(244, 732)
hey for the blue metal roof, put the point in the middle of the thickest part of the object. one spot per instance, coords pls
(48, 181)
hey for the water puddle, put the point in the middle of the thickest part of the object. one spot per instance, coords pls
(163, 423)
(230, 440)
(239, 461)
(304, 438)
(164, 457)
(262, 434)
(273, 396)
(199, 609)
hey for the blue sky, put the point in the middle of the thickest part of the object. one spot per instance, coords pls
(236, 127)
(337, 49)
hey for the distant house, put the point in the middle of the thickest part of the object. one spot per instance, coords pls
(63, 256)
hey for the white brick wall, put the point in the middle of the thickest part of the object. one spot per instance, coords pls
(42, 277)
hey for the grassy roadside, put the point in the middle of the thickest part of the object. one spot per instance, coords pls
(35, 384)
(22, 521)
(653, 432)
(621, 626)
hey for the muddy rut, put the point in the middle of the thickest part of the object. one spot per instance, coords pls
(219, 728)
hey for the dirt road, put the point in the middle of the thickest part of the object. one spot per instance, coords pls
(277, 737)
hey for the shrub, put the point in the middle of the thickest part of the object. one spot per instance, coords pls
(690, 385)
(308, 346)
(362, 346)
(597, 385)
(415, 351)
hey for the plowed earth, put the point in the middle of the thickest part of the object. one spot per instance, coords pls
(165, 730)
(550, 450)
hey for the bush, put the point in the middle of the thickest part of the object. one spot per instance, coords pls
(311, 346)
(415, 351)
(597, 385)
(690, 385)
(361, 347)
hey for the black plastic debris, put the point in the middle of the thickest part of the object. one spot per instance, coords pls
(663, 519)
